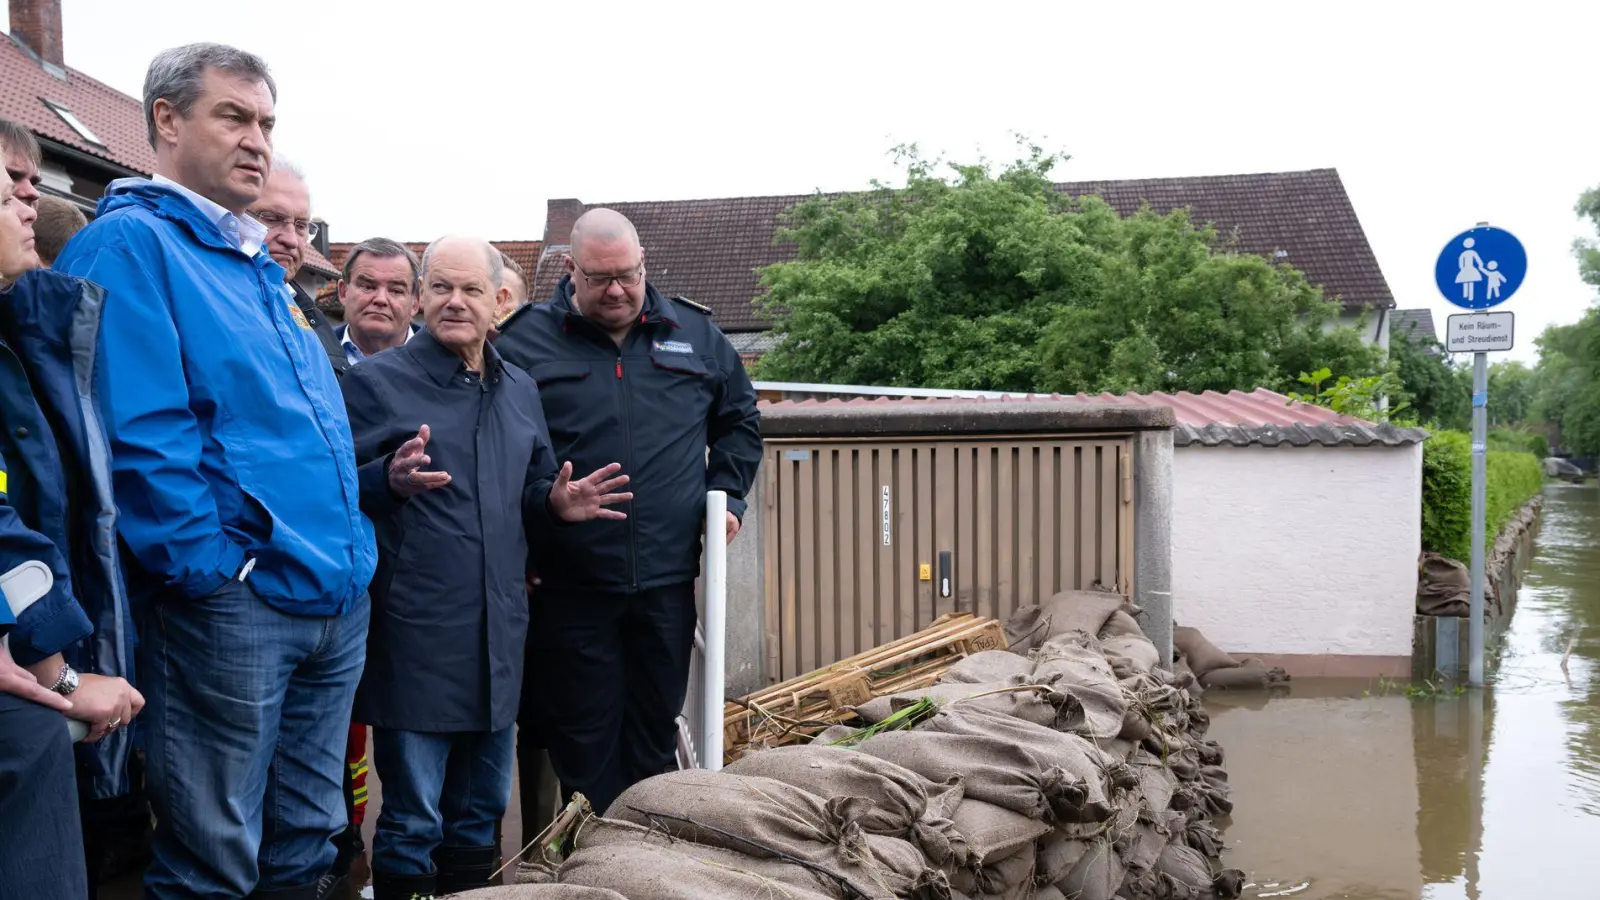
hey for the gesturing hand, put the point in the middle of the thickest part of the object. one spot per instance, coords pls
(406, 478)
(585, 499)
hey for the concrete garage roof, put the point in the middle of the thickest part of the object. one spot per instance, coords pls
(1211, 419)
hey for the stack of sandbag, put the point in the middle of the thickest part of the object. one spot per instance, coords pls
(1216, 670)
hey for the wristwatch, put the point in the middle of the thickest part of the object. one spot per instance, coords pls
(66, 682)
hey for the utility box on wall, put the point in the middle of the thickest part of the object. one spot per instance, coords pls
(875, 518)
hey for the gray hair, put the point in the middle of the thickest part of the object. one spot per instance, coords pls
(177, 76)
(382, 248)
(284, 164)
(497, 266)
(15, 137)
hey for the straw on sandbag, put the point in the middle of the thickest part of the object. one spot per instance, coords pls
(1040, 704)
(637, 870)
(1045, 748)
(901, 797)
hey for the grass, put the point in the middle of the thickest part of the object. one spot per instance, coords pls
(1427, 689)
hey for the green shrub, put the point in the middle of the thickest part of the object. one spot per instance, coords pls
(1513, 478)
(1518, 441)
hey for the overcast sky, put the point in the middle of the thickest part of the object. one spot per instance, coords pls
(417, 119)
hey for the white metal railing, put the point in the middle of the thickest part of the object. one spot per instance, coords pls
(700, 725)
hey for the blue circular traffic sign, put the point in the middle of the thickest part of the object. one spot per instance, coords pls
(1481, 267)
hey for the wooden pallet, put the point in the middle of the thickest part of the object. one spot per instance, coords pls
(795, 710)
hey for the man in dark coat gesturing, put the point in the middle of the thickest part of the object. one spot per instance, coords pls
(456, 470)
(626, 374)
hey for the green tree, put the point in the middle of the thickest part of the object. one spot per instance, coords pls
(1568, 382)
(1438, 391)
(1588, 249)
(1511, 390)
(995, 280)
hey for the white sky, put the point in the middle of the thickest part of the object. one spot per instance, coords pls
(417, 119)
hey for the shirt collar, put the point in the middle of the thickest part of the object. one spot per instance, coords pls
(245, 234)
(444, 366)
(353, 352)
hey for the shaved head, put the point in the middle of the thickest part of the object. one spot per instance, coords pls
(602, 226)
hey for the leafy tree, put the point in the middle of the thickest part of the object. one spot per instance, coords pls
(1511, 390)
(985, 280)
(1438, 391)
(1588, 249)
(1568, 382)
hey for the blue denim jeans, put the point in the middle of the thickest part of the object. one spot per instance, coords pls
(41, 845)
(246, 714)
(439, 790)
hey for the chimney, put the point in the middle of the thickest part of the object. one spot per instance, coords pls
(36, 24)
(559, 217)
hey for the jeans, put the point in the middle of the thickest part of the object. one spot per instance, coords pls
(612, 671)
(439, 790)
(41, 845)
(244, 727)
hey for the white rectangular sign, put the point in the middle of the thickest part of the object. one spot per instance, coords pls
(1479, 332)
(886, 516)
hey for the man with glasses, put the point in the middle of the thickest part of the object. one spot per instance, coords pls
(284, 209)
(625, 374)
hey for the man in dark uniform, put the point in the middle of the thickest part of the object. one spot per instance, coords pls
(450, 613)
(626, 374)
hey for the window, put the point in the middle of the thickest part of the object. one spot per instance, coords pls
(73, 121)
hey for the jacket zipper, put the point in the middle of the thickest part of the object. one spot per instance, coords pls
(627, 430)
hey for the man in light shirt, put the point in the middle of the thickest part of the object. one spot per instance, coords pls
(378, 290)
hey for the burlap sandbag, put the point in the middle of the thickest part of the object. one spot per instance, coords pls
(991, 769)
(1250, 675)
(596, 832)
(1048, 892)
(990, 666)
(1140, 654)
(1010, 878)
(637, 870)
(1075, 664)
(1026, 629)
(1058, 853)
(748, 813)
(1443, 587)
(993, 832)
(1185, 866)
(1098, 874)
(1085, 611)
(541, 892)
(1087, 765)
(1156, 784)
(900, 796)
(1201, 655)
(1120, 625)
(1041, 704)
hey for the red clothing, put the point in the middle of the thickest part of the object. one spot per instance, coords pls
(355, 758)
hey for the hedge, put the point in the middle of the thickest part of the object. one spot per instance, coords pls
(1513, 479)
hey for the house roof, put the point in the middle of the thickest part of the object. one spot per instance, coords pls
(318, 263)
(526, 253)
(1209, 419)
(1413, 323)
(710, 250)
(113, 117)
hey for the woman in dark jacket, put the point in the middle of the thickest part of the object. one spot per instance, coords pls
(57, 536)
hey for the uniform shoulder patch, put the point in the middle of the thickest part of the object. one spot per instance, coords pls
(511, 316)
(700, 307)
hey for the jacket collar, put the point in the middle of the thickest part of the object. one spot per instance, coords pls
(654, 310)
(443, 366)
(167, 202)
(45, 303)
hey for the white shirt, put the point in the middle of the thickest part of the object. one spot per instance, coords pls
(245, 234)
(354, 354)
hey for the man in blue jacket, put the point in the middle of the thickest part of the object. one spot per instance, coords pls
(626, 374)
(235, 480)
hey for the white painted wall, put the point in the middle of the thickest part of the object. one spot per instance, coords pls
(1303, 550)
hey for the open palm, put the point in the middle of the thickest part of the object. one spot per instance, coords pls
(589, 497)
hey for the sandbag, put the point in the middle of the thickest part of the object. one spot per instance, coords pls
(651, 870)
(1201, 655)
(990, 666)
(1058, 852)
(832, 735)
(1250, 675)
(1026, 629)
(900, 796)
(1010, 878)
(1048, 892)
(1444, 587)
(1135, 727)
(1084, 763)
(1156, 785)
(596, 832)
(541, 892)
(747, 811)
(991, 769)
(1074, 664)
(1040, 704)
(1121, 625)
(1085, 611)
(1185, 866)
(993, 832)
(1135, 648)
(1098, 874)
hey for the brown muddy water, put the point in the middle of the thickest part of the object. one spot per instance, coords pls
(1357, 790)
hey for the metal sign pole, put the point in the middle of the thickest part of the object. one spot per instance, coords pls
(1480, 437)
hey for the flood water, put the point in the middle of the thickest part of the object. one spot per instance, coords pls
(1355, 790)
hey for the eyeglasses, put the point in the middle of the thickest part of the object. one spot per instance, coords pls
(273, 221)
(602, 282)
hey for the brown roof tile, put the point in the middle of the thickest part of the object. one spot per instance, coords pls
(114, 117)
(526, 253)
(709, 250)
